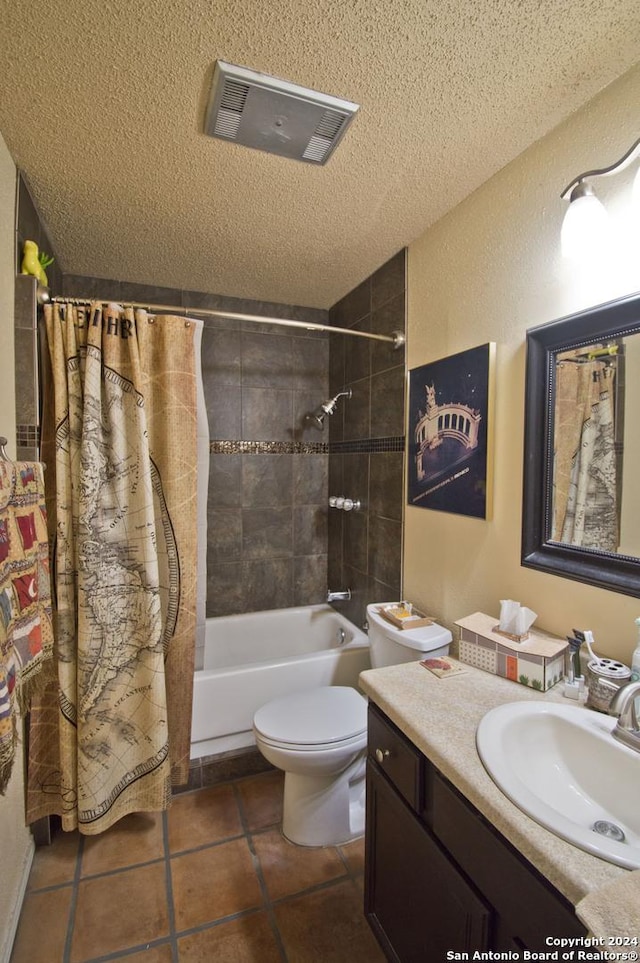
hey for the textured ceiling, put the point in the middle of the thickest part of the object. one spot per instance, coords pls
(102, 106)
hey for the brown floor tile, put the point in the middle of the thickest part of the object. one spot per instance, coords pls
(203, 817)
(42, 929)
(354, 854)
(118, 911)
(288, 869)
(136, 838)
(246, 940)
(56, 863)
(327, 925)
(214, 882)
(262, 799)
(155, 954)
(128, 907)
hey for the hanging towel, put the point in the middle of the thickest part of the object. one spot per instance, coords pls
(26, 635)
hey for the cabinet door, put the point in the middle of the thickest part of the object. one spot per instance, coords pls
(417, 903)
(528, 909)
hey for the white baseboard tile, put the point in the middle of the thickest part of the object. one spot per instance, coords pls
(8, 935)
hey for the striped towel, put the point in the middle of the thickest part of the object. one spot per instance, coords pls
(26, 635)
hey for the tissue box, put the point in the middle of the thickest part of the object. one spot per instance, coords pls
(538, 662)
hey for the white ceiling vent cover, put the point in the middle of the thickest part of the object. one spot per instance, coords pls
(260, 111)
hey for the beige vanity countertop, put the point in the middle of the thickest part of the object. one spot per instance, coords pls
(440, 717)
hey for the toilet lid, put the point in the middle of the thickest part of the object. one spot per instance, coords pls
(322, 715)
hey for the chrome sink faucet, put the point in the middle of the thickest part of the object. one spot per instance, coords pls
(623, 705)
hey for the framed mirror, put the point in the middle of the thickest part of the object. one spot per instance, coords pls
(581, 497)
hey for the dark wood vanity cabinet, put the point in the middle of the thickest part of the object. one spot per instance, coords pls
(438, 876)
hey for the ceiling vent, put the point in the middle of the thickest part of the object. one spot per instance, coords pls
(272, 115)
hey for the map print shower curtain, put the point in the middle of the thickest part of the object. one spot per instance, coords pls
(112, 734)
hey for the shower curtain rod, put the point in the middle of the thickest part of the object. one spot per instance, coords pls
(397, 339)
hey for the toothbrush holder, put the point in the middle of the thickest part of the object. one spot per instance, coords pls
(604, 678)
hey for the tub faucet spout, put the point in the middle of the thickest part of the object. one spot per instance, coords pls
(341, 596)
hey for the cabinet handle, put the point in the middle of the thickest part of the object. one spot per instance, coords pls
(381, 755)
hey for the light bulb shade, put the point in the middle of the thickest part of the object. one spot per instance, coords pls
(585, 229)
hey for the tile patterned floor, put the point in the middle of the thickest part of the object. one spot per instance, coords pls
(210, 881)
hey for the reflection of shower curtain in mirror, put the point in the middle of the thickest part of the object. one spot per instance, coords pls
(584, 494)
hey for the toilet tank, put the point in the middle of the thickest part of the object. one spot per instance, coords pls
(391, 646)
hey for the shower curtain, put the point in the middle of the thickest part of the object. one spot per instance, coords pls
(585, 509)
(112, 734)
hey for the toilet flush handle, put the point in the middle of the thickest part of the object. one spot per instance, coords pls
(381, 755)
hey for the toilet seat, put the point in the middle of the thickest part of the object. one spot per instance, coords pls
(354, 742)
(326, 717)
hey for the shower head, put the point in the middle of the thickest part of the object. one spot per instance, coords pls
(327, 408)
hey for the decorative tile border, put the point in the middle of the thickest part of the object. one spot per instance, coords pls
(356, 446)
(268, 448)
(367, 445)
(28, 436)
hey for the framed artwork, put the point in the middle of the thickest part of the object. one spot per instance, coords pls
(450, 433)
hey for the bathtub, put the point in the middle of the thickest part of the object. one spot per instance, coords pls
(253, 658)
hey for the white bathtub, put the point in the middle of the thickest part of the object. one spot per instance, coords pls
(251, 659)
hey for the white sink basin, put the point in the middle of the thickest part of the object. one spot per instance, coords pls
(561, 765)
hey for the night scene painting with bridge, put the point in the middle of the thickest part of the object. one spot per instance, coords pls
(449, 414)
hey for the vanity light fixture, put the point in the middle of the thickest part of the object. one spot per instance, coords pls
(586, 227)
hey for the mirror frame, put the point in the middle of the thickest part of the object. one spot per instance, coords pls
(619, 573)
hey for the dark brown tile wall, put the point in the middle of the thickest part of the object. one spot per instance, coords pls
(270, 534)
(267, 515)
(220, 767)
(267, 510)
(29, 227)
(366, 442)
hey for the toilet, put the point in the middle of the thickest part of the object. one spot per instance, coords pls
(318, 737)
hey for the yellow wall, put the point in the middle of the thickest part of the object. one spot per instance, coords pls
(486, 272)
(15, 840)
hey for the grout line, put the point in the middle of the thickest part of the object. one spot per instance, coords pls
(211, 924)
(169, 887)
(74, 900)
(201, 846)
(344, 860)
(258, 871)
(68, 884)
(268, 905)
(130, 951)
(121, 869)
(316, 888)
(355, 875)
